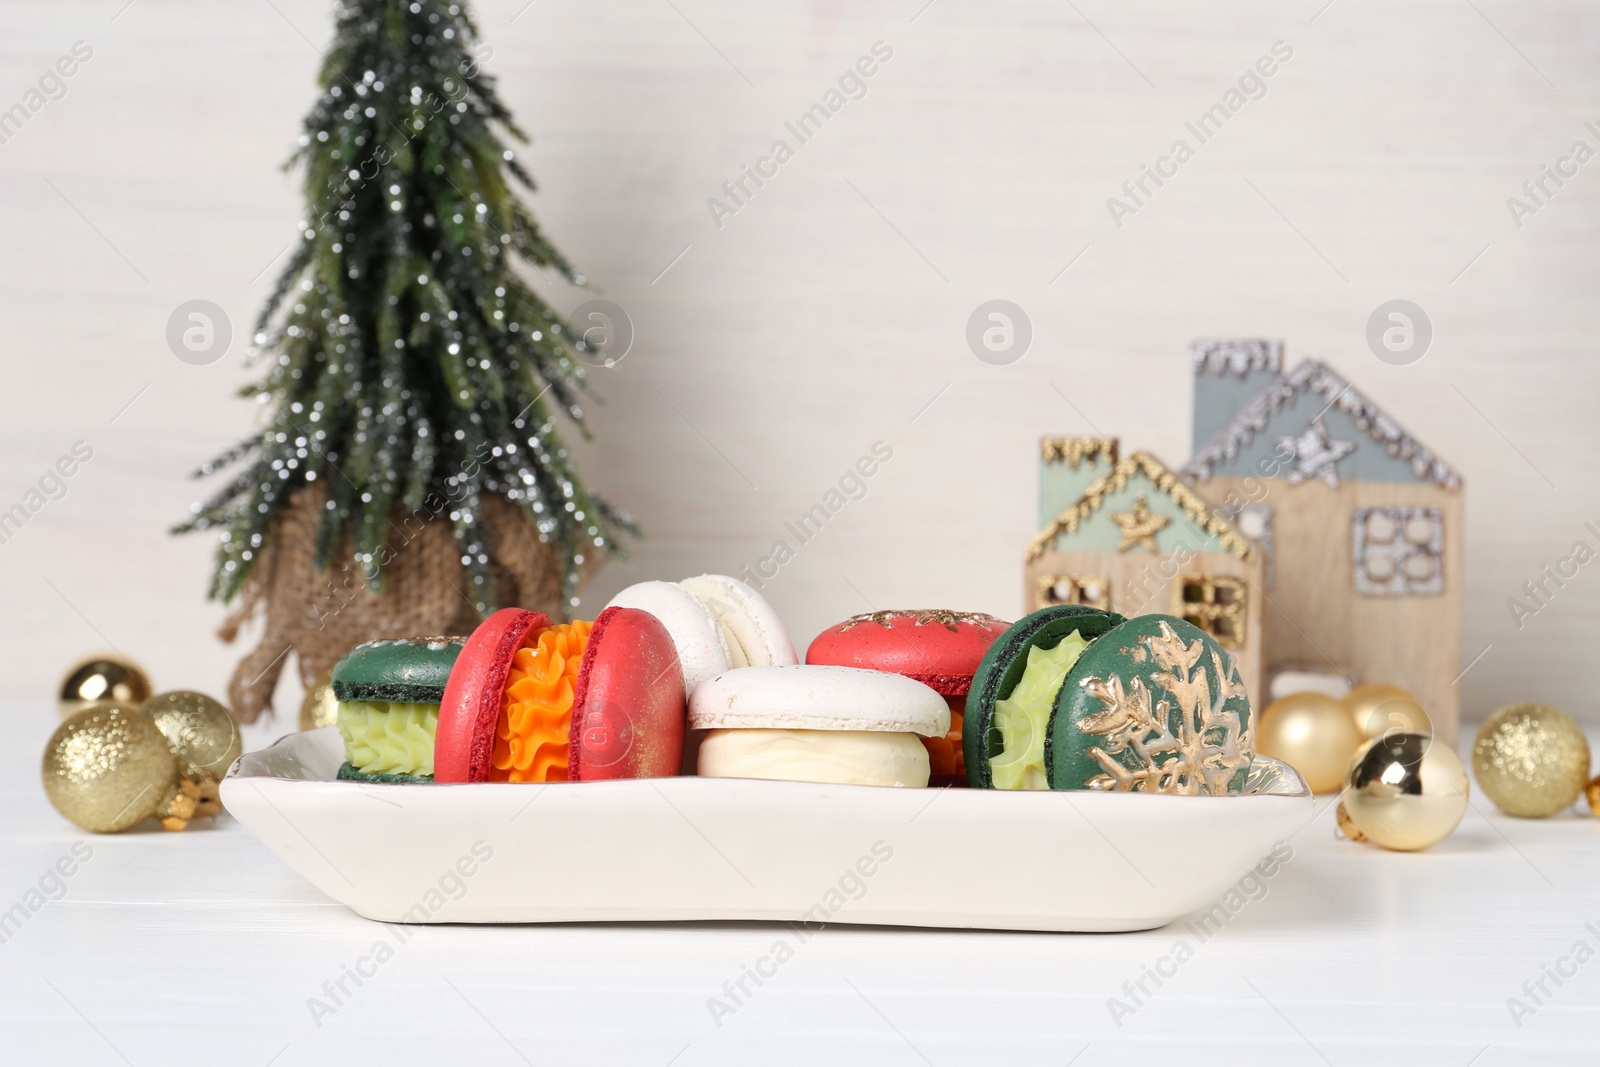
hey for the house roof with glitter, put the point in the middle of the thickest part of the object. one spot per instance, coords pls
(1228, 374)
(1068, 466)
(1308, 424)
(1138, 503)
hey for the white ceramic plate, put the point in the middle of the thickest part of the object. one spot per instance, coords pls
(717, 848)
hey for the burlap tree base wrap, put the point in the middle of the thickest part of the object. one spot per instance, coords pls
(318, 616)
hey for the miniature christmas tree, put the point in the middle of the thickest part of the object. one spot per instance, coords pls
(411, 373)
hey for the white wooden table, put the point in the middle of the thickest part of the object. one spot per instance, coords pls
(201, 947)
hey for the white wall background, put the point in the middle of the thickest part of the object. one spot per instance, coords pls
(831, 310)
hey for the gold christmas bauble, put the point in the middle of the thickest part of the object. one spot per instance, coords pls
(104, 677)
(1531, 759)
(320, 707)
(1405, 792)
(1314, 734)
(200, 731)
(109, 768)
(1377, 708)
(1592, 793)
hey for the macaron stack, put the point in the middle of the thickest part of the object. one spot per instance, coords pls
(941, 649)
(523, 699)
(527, 699)
(1072, 697)
(1069, 697)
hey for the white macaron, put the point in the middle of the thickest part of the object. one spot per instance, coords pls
(814, 697)
(717, 623)
(815, 723)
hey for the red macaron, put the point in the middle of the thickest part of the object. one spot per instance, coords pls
(533, 701)
(941, 649)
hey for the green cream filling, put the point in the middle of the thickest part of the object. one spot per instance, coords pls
(388, 738)
(1023, 718)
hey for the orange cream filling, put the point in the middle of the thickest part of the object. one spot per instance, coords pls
(945, 763)
(530, 743)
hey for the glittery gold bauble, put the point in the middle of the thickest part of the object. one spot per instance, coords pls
(320, 707)
(109, 768)
(105, 677)
(1405, 791)
(1531, 760)
(200, 731)
(1313, 733)
(1377, 709)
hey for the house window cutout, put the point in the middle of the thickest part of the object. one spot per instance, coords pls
(1397, 551)
(1215, 605)
(1090, 590)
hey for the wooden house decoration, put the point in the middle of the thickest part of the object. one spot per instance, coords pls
(1127, 535)
(1359, 525)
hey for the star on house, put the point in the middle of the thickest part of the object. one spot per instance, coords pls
(1139, 526)
(1316, 455)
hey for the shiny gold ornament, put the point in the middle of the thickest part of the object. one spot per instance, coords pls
(1314, 734)
(1405, 792)
(105, 677)
(1532, 760)
(320, 707)
(1377, 708)
(108, 768)
(200, 731)
(1591, 793)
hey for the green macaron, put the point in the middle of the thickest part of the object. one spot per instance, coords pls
(1001, 669)
(389, 693)
(1151, 704)
(1155, 705)
(411, 672)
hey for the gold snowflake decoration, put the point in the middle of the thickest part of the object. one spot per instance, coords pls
(1211, 746)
